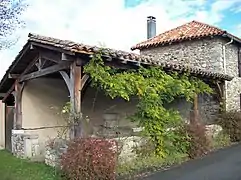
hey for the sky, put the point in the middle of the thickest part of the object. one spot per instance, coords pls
(117, 24)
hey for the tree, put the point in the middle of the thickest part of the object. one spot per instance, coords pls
(10, 11)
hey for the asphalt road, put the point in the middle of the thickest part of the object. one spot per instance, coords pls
(224, 164)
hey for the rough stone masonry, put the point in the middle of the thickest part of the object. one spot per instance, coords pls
(24, 145)
(206, 53)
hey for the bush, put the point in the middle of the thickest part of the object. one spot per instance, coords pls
(199, 144)
(90, 158)
(221, 140)
(231, 124)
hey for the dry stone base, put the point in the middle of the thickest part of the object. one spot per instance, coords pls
(24, 145)
(126, 146)
(213, 130)
(53, 151)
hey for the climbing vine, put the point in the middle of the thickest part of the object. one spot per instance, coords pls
(154, 88)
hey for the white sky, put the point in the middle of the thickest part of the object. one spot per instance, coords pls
(108, 22)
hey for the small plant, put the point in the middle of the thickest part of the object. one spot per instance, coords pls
(90, 158)
(231, 124)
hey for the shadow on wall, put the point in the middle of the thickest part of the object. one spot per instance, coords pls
(208, 107)
(42, 102)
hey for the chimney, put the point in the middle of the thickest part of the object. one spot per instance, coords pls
(151, 27)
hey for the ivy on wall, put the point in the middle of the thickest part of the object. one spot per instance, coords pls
(154, 88)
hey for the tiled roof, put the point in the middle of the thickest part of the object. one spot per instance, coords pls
(123, 55)
(188, 31)
(74, 47)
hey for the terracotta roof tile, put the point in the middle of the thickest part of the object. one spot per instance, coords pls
(191, 30)
(123, 55)
(74, 47)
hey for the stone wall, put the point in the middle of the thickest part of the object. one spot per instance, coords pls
(53, 151)
(208, 108)
(127, 146)
(24, 145)
(207, 54)
(57, 147)
(234, 86)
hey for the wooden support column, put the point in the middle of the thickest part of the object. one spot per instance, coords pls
(221, 95)
(18, 105)
(195, 114)
(75, 83)
(75, 97)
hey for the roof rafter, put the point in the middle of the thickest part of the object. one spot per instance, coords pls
(63, 51)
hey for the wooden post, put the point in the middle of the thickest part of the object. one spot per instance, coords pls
(195, 114)
(75, 98)
(18, 105)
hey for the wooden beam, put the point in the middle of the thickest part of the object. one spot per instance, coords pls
(195, 114)
(52, 48)
(40, 63)
(84, 80)
(31, 47)
(13, 76)
(22, 54)
(45, 71)
(66, 78)
(67, 57)
(75, 99)
(49, 55)
(67, 81)
(25, 71)
(18, 105)
(53, 55)
(77, 87)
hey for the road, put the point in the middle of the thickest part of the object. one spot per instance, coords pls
(224, 164)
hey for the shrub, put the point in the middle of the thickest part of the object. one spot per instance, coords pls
(199, 144)
(221, 140)
(89, 159)
(180, 142)
(231, 124)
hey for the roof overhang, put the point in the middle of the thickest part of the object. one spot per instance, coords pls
(236, 39)
(75, 49)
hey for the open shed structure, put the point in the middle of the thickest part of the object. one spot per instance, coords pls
(50, 58)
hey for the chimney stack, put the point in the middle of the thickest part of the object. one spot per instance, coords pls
(151, 27)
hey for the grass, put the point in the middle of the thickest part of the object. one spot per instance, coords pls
(12, 168)
(148, 164)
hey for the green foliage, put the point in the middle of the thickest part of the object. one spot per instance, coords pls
(154, 88)
(12, 168)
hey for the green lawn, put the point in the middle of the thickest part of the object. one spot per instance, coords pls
(12, 168)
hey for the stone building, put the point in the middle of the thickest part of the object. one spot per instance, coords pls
(199, 45)
(48, 72)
